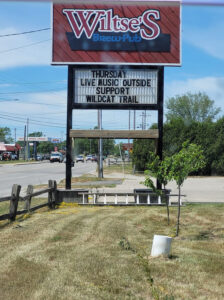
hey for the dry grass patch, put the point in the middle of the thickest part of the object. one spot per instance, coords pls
(128, 169)
(104, 253)
(4, 206)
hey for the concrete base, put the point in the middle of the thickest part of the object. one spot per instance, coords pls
(70, 196)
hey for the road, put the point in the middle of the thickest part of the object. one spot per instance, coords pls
(40, 173)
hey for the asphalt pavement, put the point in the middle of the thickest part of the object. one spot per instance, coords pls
(37, 173)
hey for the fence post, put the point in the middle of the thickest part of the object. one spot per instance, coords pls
(14, 201)
(52, 195)
(29, 191)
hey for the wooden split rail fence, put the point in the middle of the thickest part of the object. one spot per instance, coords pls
(15, 198)
(81, 197)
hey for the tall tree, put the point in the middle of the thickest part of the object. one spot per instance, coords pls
(191, 108)
(45, 147)
(141, 153)
(36, 134)
(5, 135)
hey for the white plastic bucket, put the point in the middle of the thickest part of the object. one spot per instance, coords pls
(161, 245)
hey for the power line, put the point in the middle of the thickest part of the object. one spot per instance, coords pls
(25, 32)
(34, 82)
(29, 45)
(32, 122)
(28, 92)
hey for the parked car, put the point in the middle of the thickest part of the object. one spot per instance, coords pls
(39, 157)
(56, 157)
(13, 156)
(46, 156)
(79, 158)
(94, 158)
(89, 157)
(6, 156)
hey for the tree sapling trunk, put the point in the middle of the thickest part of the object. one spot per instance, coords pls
(178, 215)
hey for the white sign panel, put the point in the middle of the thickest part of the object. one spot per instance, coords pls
(123, 86)
(34, 139)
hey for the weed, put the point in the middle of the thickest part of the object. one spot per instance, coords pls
(124, 243)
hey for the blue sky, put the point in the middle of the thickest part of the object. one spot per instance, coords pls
(31, 88)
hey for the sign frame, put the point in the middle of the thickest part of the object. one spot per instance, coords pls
(176, 63)
(71, 106)
(117, 106)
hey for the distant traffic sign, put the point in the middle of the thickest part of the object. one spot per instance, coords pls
(34, 139)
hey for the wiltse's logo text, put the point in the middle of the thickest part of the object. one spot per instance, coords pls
(90, 21)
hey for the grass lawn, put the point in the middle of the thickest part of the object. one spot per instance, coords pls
(84, 179)
(4, 206)
(128, 169)
(7, 162)
(78, 252)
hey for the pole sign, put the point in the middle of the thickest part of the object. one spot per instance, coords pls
(139, 34)
(116, 88)
(34, 139)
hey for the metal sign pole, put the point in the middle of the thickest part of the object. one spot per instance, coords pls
(69, 127)
(160, 116)
(100, 146)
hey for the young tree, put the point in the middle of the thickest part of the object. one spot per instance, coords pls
(189, 159)
(191, 107)
(161, 170)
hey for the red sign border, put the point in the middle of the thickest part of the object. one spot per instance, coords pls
(118, 63)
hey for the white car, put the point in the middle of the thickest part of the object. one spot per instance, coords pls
(56, 157)
(89, 157)
(79, 158)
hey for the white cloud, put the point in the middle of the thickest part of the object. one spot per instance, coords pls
(209, 39)
(212, 86)
(37, 54)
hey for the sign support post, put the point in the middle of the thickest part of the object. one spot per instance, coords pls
(160, 116)
(69, 127)
(100, 146)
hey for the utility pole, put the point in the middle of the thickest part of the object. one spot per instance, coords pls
(27, 142)
(129, 127)
(134, 125)
(100, 146)
(15, 134)
(24, 145)
(144, 120)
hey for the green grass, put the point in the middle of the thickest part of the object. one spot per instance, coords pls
(104, 253)
(4, 206)
(7, 162)
(128, 169)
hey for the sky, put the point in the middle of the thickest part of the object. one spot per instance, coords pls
(34, 91)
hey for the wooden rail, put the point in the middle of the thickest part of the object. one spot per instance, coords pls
(115, 134)
(15, 198)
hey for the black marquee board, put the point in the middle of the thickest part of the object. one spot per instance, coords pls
(72, 97)
(113, 84)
